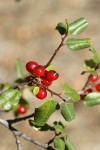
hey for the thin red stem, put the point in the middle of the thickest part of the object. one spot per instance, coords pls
(52, 92)
(56, 51)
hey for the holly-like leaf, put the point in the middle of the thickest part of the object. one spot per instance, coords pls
(59, 143)
(69, 144)
(43, 113)
(71, 93)
(68, 111)
(92, 99)
(61, 28)
(19, 71)
(95, 55)
(78, 44)
(10, 98)
(77, 26)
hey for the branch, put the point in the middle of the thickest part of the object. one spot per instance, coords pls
(56, 51)
(17, 142)
(20, 119)
(52, 92)
(18, 134)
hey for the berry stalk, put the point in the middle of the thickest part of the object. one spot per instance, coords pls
(56, 51)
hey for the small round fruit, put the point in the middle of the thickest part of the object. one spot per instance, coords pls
(42, 93)
(93, 78)
(39, 71)
(88, 91)
(22, 109)
(45, 82)
(30, 66)
(98, 87)
(52, 75)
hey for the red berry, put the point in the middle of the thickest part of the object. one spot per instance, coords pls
(30, 66)
(98, 87)
(94, 78)
(88, 91)
(52, 75)
(42, 93)
(45, 82)
(22, 109)
(39, 71)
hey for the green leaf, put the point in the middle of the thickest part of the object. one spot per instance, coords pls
(77, 26)
(68, 111)
(90, 66)
(19, 71)
(10, 98)
(71, 93)
(69, 143)
(43, 113)
(95, 55)
(61, 28)
(59, 127)
(93, 72)
(90, 63)
(92, 99)
(50, 67)
(46, 127)
(78, 44)
(59, 143)
(35, 90)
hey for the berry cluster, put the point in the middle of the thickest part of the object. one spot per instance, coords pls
(93, 79)
(94, 86)
(44, 77)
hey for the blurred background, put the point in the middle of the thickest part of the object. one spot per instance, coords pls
(27, 32)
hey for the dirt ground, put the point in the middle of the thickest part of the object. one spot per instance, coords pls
(27, 32)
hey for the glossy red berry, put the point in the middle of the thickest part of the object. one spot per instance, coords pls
(98, 87)
(94, 78)
(30, 66)
(45, 82)
(39, 71)
(22, 109)
(42, 93)
(52, 75)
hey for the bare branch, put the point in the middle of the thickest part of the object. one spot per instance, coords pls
(18, 134)
(56, 51)
(17, 141)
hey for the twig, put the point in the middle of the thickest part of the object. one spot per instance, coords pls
(86, 83)
(52, 92)
(17, 141)
(18, 134)
(20, 119)
(56, 51)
